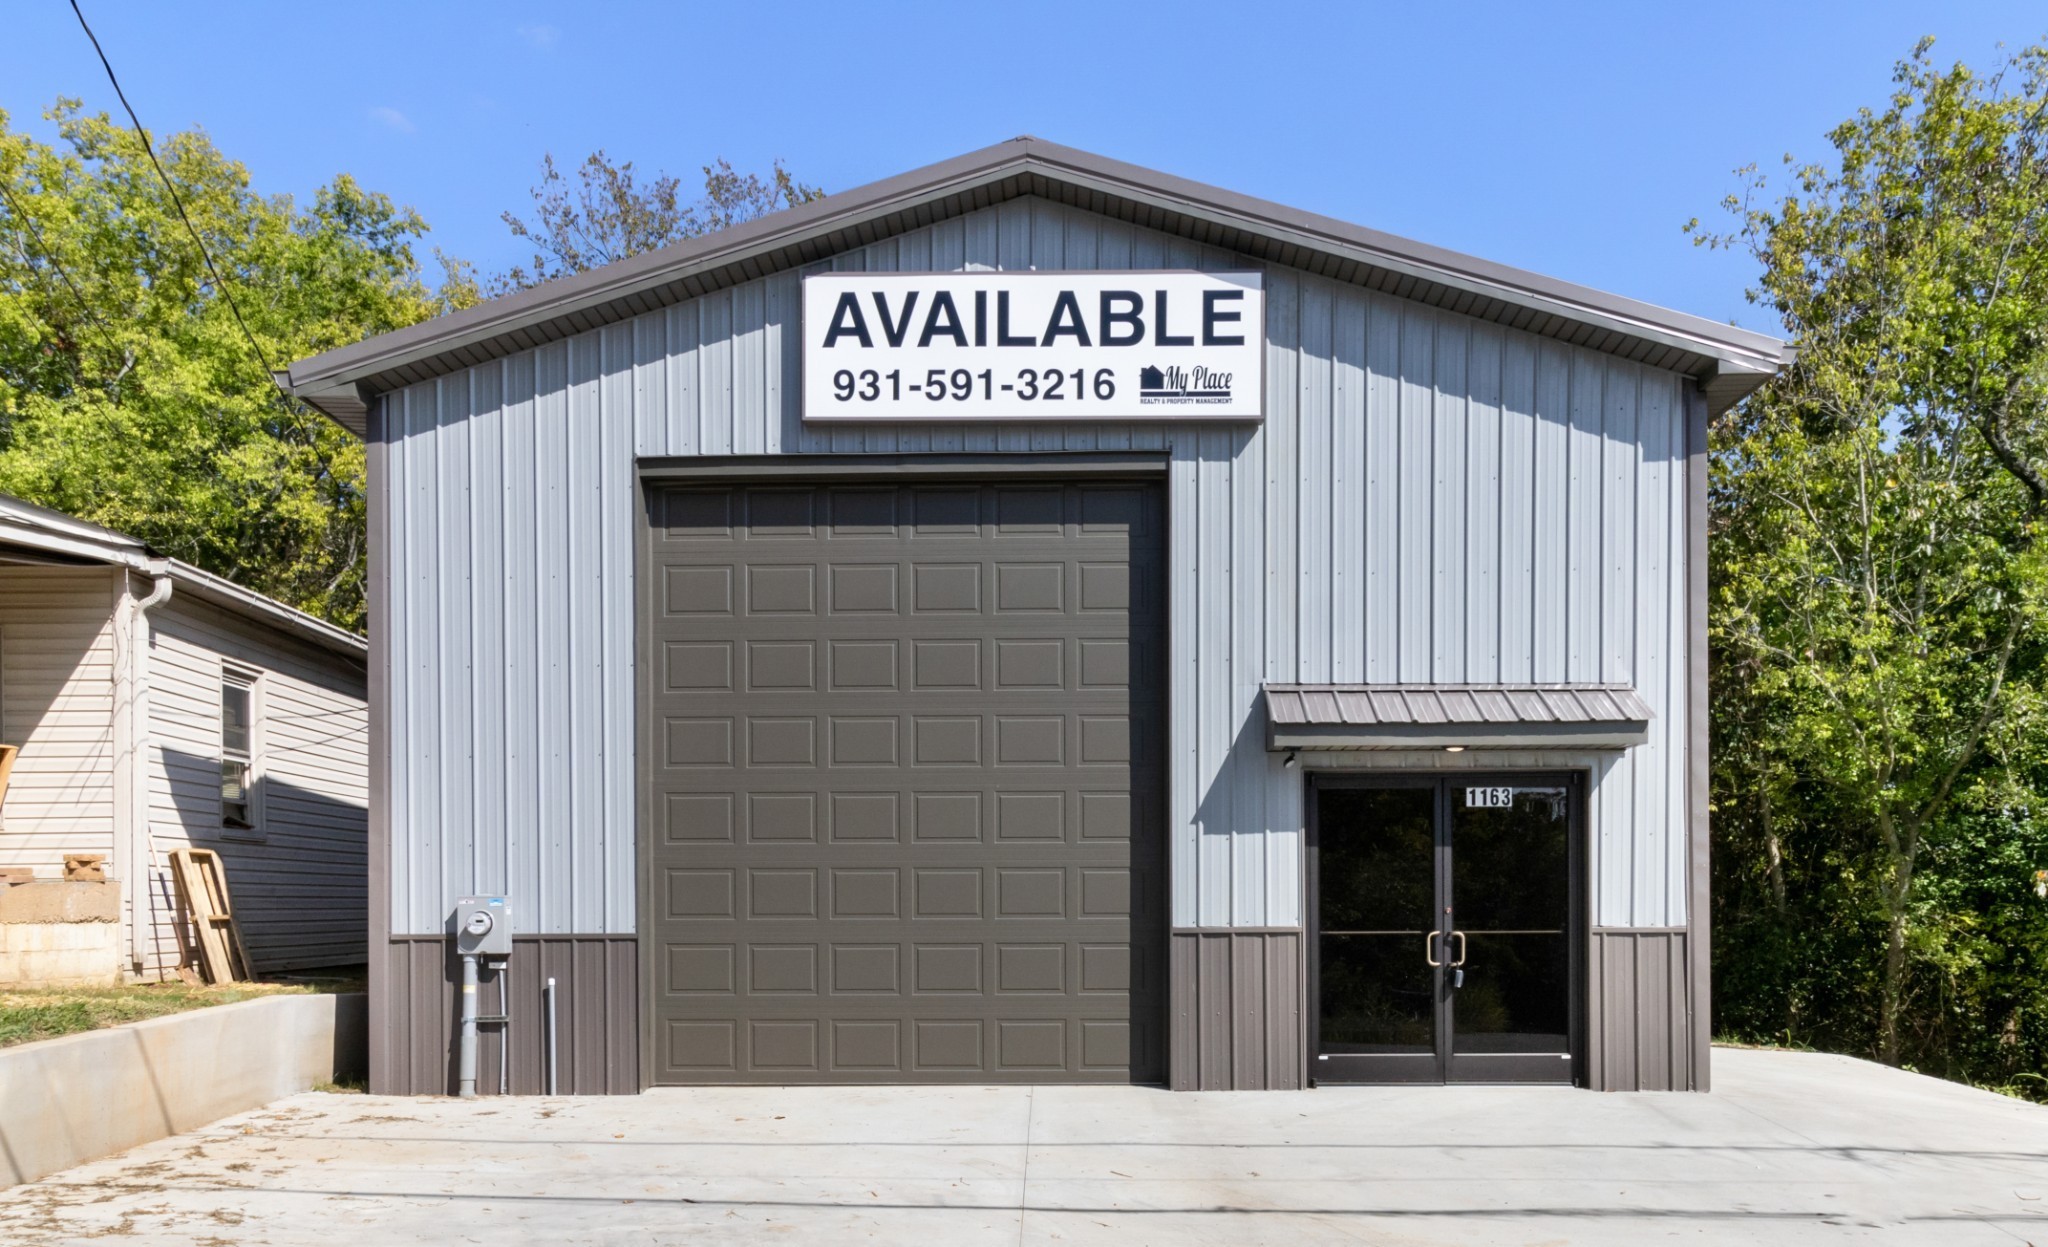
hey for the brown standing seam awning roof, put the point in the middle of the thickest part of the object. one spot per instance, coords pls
(1434, 716)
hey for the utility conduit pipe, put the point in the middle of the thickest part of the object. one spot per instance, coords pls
(465, 1060)
(549, 992)
(135, 860)
(483, 931)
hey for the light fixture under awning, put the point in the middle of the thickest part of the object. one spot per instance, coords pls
(1470, 716)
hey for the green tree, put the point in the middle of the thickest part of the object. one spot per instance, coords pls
(1878, 586)
(131, 397)
(607, 213)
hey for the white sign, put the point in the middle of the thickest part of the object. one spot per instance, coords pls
(1489, 798)
(953, 347)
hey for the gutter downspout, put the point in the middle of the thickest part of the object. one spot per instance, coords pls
(135, 843)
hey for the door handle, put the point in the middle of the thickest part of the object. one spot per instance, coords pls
(1460, 937)
(1429, 948)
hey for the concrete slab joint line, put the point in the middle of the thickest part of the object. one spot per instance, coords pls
(1794, 1148)
(1024, 1177)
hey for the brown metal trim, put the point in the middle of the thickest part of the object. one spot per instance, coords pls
(1593, 997)
(1602, 737)
(1029, 166)
(826, 469)
(1583, 986)
(1579, 854)
(384, 1013)
(653, 474)
(643, 773)
(1698, 832)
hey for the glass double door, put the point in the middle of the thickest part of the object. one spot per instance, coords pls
(1444, 945)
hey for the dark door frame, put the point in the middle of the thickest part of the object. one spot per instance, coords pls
(1578, 863)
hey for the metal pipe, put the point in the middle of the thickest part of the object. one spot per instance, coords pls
(135, 846)
(465, 1060)
(549, 993)
(505, 1035)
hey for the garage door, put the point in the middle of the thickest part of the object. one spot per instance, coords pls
(905, 778)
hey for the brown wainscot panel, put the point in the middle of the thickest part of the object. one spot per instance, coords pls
(1238, 1012)
(597, 1017)
(1641, 1015)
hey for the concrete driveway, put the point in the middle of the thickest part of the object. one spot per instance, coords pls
(1791, 1148)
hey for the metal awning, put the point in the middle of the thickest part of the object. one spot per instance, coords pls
(1471, 716)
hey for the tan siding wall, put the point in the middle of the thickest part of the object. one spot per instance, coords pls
(57, 704)
(299, 891)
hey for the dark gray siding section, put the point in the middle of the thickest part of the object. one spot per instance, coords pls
(597, 1007)
(1238, 1009)
(1642, 1030)
(1431, 498)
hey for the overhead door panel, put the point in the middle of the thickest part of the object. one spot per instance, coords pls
(904, 782)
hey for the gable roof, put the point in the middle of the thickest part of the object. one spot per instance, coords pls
(1728, 362)
(33, 534)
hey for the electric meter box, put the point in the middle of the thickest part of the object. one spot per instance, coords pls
(483, 926)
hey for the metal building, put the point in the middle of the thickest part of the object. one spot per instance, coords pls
(1310, 691)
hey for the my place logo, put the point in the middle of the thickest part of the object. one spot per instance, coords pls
(1177, 386)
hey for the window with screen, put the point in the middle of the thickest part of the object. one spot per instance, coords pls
(238, 751)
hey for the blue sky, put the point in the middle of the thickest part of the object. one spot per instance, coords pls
(1573, 141)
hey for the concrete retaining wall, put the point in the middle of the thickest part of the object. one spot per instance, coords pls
(70, 1100)
(60, 933)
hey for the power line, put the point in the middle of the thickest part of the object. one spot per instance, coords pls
(220, 283)
(106, 333)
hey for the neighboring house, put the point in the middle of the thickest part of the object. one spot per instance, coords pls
(159, 707)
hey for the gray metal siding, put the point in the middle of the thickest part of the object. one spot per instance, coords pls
(1431, 498)
(511, 640)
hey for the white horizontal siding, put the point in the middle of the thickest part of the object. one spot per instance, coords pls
(1430, 498)
(299, 889)
(57, 705)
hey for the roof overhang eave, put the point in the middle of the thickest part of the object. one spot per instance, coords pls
(342, 402)
(77, 541)
(1733, 361)
(224, 593)
(1333, 737)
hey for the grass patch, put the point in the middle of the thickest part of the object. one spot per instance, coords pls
(29, 1014)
